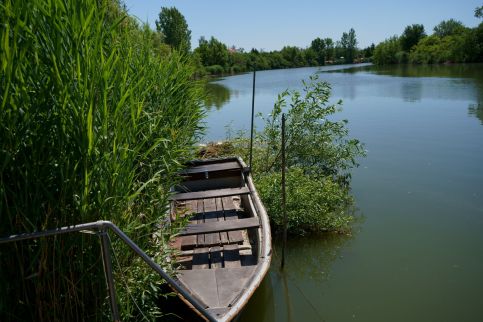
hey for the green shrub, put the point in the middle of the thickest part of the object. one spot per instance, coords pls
(386, 51)
(319, 157)
(215, 70)
(95, 121)
(312, 205)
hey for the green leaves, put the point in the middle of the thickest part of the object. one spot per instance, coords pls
(174, 28)
(319, 157)
(314, 141)
(313, 204)
(95, 122)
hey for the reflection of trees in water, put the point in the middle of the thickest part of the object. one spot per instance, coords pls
(311, 256)
(217, 95)
(281, 297)
(450, 71)
(412, 91)
(472, 72)
(476, 110)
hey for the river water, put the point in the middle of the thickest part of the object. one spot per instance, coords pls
(416, 252)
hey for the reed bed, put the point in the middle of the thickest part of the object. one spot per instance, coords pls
(94, 123)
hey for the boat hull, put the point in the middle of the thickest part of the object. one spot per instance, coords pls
(225, 250)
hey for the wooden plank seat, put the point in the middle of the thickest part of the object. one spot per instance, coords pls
(225, 166)
(210, 194)
(219, 226)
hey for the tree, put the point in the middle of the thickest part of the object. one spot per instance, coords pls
(319, 156)
(329, 49)
(174, 28)
(479, 12)
(349, 43)
(449, 27)
(293, 55)
(212, 52)
(310, 57)
(411, 36)
(318, 46)
(386, 51)
(369, 51)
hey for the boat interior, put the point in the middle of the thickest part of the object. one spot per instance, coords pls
(219, 249)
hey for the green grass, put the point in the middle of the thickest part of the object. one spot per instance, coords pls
(94, 124)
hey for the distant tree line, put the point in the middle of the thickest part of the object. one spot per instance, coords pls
(450, 42)
(213, 57)
(216, 58)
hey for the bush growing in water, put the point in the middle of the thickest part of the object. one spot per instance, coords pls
(94, 124)
(319, 157)
(313, 204)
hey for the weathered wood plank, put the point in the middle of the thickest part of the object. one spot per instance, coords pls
(229, 225)
(200, 239)
(210, 193)
(221, 217)
(186, 207)
(211, 217)
(231, 256)
(224, 166)
(190, 207)
(216, 261)
(188, 242)
(244, 247)
(231, 214)
(228, 203)
(201, 258)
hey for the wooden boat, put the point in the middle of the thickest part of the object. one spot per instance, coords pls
(225, 250)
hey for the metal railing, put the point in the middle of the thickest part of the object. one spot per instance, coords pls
(102, 227)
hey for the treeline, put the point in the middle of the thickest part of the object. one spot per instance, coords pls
(215, 58)
(450, 42)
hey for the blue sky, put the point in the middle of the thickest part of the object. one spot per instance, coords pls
(270, 24)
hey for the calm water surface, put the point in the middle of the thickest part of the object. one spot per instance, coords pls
(416, 254)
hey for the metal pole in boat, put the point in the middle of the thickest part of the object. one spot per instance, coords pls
(253, 115)
(284, 210)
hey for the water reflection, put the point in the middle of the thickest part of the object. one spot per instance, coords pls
(444, 71)
(217, 95)
(416, 82)
(412, 91)
(422, 175)
(310, 257)
(283, 295)
(476, 110)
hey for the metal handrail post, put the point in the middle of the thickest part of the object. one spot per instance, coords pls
(106, 259)
(103, 225)
(198, 306)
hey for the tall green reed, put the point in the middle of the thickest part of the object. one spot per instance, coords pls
(94, 124)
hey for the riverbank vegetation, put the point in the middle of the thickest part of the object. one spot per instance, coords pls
(215, 58)
(450, 42)
(212, 57)
(319, 158)
(96, 119)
